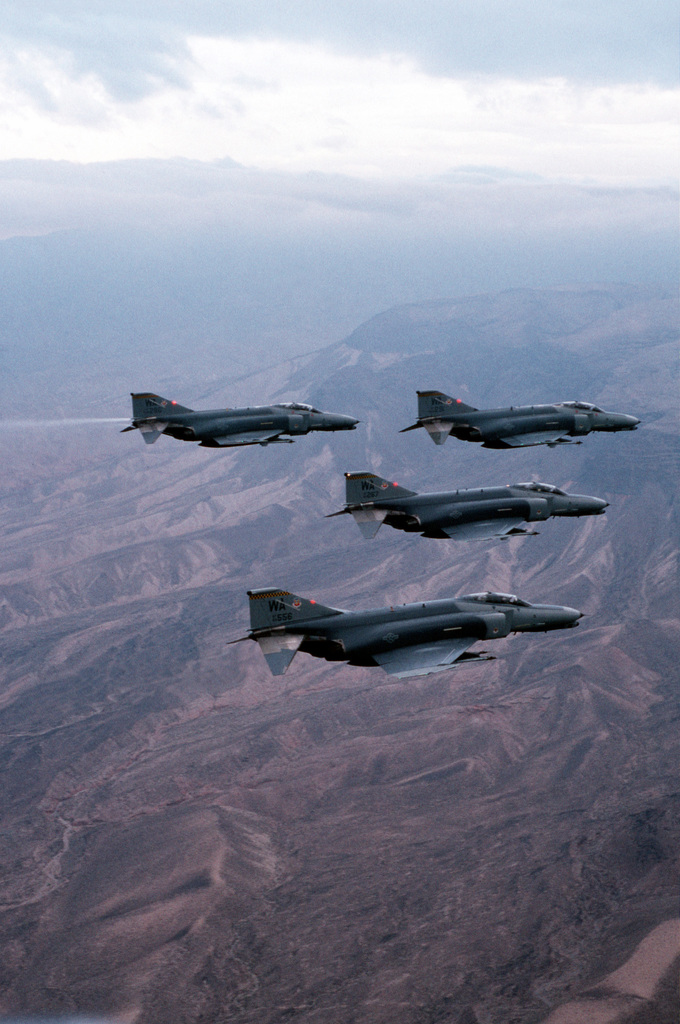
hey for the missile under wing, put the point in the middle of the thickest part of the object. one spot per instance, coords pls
(481, 513)
(153, 415)
(408, 640)
(514, 427)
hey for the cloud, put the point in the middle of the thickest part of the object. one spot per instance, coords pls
(128, 44)
(301, 107)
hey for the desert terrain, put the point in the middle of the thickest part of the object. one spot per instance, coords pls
(189, 839)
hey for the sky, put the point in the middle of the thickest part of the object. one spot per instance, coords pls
(331, 158)
(386, 91)
(377, 90)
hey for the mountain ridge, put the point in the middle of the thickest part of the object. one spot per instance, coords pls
(188, 837)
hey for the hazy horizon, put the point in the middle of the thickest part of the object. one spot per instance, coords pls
(202, 189)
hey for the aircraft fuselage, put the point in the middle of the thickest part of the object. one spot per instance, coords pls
(491, 426)
(515, 426)
(357, 636)
(436, 511)
(204, 426)
(154, 415)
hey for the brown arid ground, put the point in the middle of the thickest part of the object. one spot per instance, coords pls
(189, 839)
(643, 989)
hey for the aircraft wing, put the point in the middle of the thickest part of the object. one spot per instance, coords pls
(539, 437)
(423, 659)
(484, 530)
(247, 437)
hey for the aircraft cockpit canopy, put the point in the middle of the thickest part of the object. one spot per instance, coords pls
(299, 406)
(491, 598)
(586, 406)
(539, 488)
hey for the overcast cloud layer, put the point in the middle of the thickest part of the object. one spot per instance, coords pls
(375, 89)
(131, 45)
(300, 107)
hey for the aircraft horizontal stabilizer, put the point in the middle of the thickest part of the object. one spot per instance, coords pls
(369, 520)
(438, 430)
(152, 433)
(279, 650)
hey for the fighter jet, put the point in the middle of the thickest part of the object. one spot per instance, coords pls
(479, 514)
(226, 428)
(516, 427)
(408, 640)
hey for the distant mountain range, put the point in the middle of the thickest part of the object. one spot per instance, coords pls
(187, 838)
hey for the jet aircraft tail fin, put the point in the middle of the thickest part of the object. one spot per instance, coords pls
(146, 405)
(362, 490)
(362, 487)
(435, 404)
(271, 608)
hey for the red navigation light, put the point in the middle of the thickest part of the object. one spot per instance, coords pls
(459, 401)
(173, 402)
(395, 484)
(312, 601)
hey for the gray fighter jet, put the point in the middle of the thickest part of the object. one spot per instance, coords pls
(225, 428)
(516, 427)
(478, 514)
(408, 640)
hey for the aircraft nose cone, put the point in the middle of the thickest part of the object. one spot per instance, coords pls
(624, 422)
(615, 421)
(593, 506)
(582, 505)
(570, 616)
(335, 421)
(540, 618)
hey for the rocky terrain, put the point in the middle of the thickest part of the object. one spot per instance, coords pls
(187, 838)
